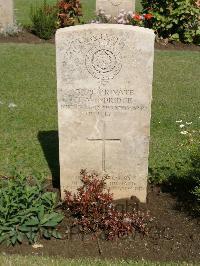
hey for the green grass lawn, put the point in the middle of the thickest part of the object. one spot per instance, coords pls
(22, 9)
(28, 79)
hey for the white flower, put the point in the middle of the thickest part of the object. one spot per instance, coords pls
(123, 11)
(12, 105)
(184, 132)
(188, 123)
(102, 13)
(120, 21)
(181, 126)
(37, 245)
(179, 121)
(121, 15)
(108, 17)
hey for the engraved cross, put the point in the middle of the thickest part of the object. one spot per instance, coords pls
(104, 140)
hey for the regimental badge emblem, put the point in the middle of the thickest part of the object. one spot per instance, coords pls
(103, 60)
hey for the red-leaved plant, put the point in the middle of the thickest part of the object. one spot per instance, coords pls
(69, 12)
(94, 210)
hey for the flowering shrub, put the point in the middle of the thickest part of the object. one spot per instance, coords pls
(192, 136)
(175, 19)
(93, 210)
(144, 20)
(69, 12)
(127, 18)
(47, 18)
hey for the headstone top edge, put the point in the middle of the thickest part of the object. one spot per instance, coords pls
(102, 26)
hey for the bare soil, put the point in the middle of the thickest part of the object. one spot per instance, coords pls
(173, 236)
(24, 37)
(28, 37)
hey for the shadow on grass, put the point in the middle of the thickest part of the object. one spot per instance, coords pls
(50, 145)
(183, 182)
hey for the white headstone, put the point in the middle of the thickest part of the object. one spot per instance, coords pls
(104, 82)
(113, 7)
(6, 14)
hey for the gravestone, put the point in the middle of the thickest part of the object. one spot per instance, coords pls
(104, 83)
(6, 14)
(113, 7)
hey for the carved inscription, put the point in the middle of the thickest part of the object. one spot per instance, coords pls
(104, 139)
(123, 183)
(103, 63)
(114, 7)
(119, 183)
(116, 2)
(104, 83)
(98, 57)
(101, 99)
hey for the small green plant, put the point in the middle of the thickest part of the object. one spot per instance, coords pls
(27, 211)
(44, 20)
(177, 20)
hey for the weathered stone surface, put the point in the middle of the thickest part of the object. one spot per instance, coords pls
(6, 13)
(104, 82)
(113, 7)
